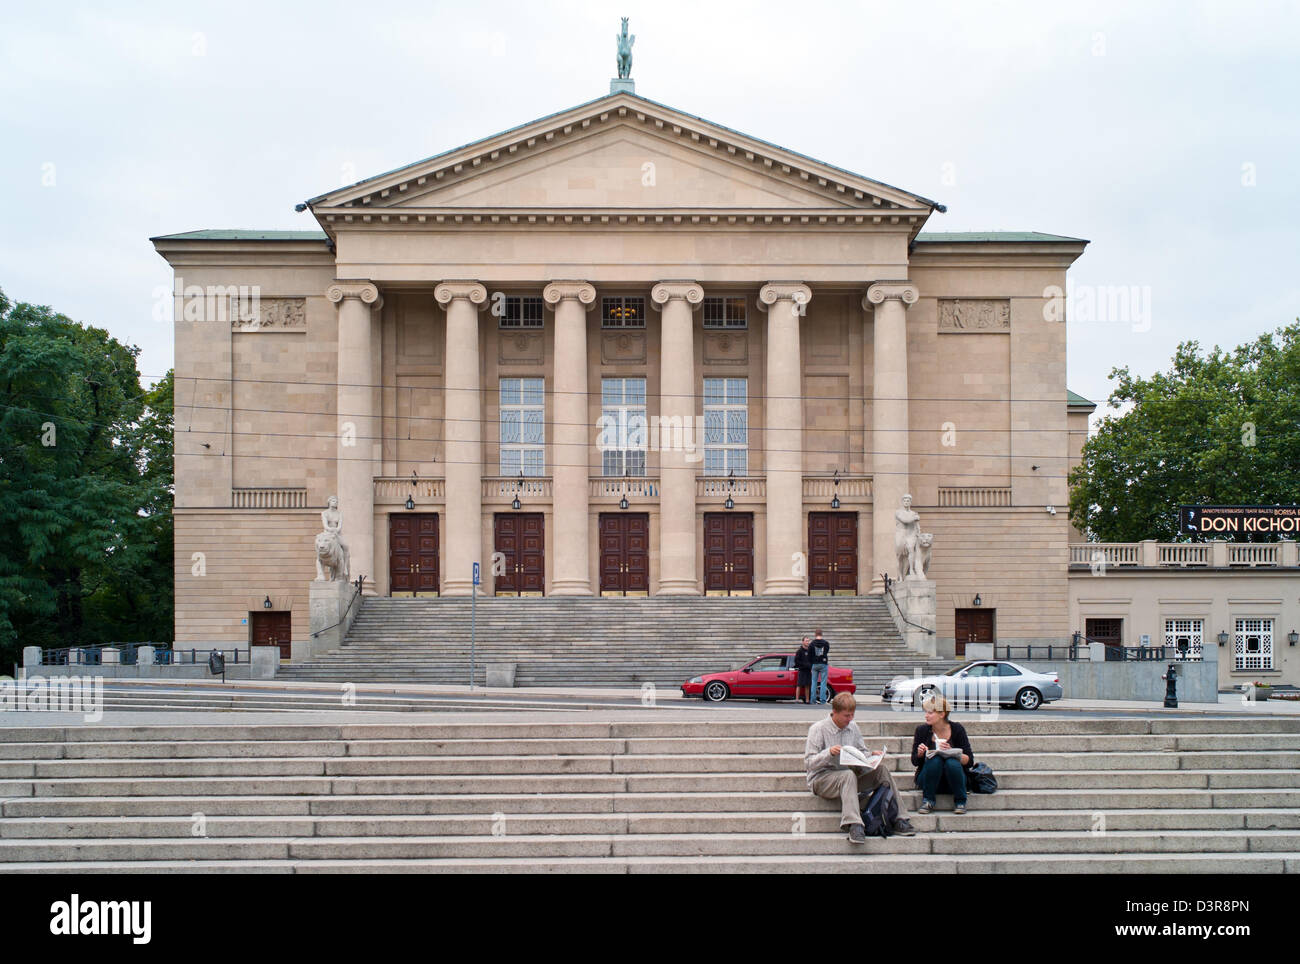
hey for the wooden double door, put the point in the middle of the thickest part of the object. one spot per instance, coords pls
(273, 628)
(728, 554)
(624, 554)
(973, 626)
(413, 554)
(832, 553)
(519, 563)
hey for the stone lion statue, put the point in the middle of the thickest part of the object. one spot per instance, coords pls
(331, 557)
(923, 543)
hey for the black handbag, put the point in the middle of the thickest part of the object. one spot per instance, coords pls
(980, 779)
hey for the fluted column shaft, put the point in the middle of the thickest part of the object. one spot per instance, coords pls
(462, 411)
(571, 438)
(357, 449)
(889, 420)
(677, 466)
(783, 438)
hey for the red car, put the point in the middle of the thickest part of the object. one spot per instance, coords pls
(770, 677)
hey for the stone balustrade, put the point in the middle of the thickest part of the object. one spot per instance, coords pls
(1150, 554)
(395, 490)
(269, 498)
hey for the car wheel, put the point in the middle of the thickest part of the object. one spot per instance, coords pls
(830, 693)
(1029, 698)
(716, 692)
(919, 697)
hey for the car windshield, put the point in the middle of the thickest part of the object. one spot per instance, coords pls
(959, 669)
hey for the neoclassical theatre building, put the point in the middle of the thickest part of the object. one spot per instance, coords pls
(621, 350)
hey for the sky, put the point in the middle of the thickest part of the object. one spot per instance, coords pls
(1166, 133)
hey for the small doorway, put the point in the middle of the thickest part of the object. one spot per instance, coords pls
(974, 626)
(624, 554)
(728, 554)
(1108, 631)
(272, 627)
(832, 553)
(413, 554)
(519, 568)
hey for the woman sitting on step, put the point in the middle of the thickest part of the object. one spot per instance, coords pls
(941, 754)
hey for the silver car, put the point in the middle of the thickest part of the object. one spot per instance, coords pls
(985, 682)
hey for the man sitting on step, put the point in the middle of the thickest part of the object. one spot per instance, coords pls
(829, 780)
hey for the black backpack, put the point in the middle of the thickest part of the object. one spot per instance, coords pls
(880, 812)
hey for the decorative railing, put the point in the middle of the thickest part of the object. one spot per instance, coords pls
(1254, 554)
(268, 498)
(719, 487)
(1106, 553)
(1070, 652)
(1184, 554)
(505, 488)
(128, 654)
(974, 497)
(823, 488)
(389, 491)
(616, 487)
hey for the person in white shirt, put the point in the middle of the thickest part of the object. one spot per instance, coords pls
(829, 780)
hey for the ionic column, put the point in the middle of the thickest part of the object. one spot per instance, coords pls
(783, 436)
(570, 440)
(358, 445)
(889, 426)
(462, 410)
(677, 466)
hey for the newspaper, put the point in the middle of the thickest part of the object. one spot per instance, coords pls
(854, 759)
(951, 751)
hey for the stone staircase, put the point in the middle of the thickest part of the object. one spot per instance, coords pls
(1080, 795)
(565, 641)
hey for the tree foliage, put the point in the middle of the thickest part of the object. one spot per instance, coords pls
(85, 487)
(1221, 428)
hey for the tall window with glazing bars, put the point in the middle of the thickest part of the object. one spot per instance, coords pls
(523, 426)
(623, 418)
(726, 426)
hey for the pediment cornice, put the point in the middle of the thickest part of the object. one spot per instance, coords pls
(410, 195)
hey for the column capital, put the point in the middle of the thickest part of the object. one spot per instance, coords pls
(797, 293)
(883, 291)
(471, 291)
(582, 292)
(691, 292)
(364, 291)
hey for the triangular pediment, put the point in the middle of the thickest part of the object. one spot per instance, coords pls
(619, 166)
(621, 153)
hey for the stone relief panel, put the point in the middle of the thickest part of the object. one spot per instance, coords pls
(726, 348)
(271, 314)
(974, 314)
(519, 347)
(622, 346)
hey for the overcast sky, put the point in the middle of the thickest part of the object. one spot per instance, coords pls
(1165, 133)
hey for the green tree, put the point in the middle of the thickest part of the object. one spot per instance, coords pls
(85, 487)
(1217, 428)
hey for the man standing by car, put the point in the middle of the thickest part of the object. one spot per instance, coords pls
(829, 780)
(803, 671)
(820, 660)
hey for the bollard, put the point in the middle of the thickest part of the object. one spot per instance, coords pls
(1171, 686)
